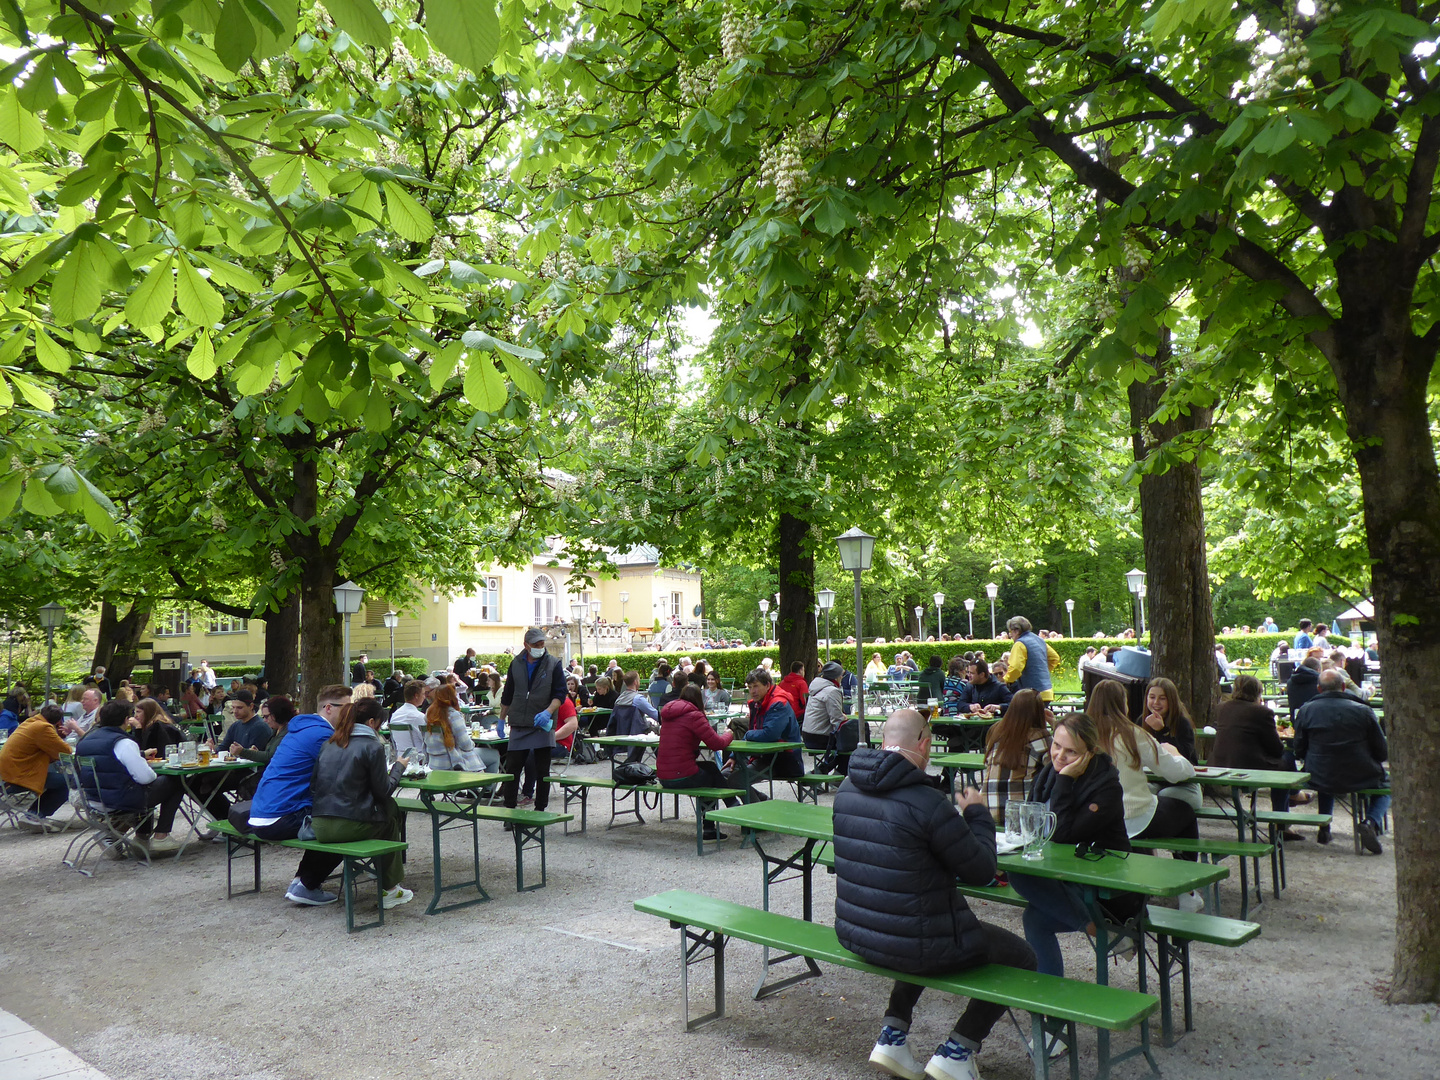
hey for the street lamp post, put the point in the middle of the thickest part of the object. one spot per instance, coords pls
(939, 599)
(1133, 580)
(764, 609)
(919, 622)
(624, 599)
(775, 627)
(392, 620)
(992, 590)
(970, 613)
(51, 616)
(1140, 595)
(857, 547)
(577, 612)
(595, 613)
(1070, 610)
(347, 602)
(826, 599)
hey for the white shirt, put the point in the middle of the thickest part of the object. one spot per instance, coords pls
(127, 752)
(207, 677)
(86, 720)
(407, 740)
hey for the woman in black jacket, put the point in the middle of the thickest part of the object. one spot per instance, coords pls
(351, 792)
(1081, 786)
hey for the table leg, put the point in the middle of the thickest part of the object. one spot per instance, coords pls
(804, 861)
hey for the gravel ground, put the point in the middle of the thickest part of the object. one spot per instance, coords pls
(153, 974)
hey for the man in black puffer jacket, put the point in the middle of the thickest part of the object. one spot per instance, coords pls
(899, 846)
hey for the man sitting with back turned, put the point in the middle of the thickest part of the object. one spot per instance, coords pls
(900, 844)
(1340, 741)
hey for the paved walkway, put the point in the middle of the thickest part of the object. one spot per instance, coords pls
(25, 1054)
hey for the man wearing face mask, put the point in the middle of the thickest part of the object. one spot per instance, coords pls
(529, 704)
(900, 845)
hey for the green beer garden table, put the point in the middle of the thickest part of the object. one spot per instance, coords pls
(185, 774)
(430, 788)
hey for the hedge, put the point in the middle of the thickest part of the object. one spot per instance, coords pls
(736, 663)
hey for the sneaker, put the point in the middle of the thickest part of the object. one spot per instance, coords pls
(893, 1056)
(210, 836)
(525, 803)
(157, 848)
(952, 1062)
(393, 898)
(1055, 1046)
(1324, 835)
(31, 822)
(299, 894)
(1192, 902)
(1369, 840)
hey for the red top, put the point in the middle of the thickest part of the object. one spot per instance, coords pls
(567, 710)
(683, 728)
(799, 690)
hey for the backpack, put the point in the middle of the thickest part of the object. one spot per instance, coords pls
(634, 773)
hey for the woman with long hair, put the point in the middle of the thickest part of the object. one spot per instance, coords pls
(1016, 748)
(1167, 719)
(955, 685)
(152, 728)
(352, 788)
(447, 737)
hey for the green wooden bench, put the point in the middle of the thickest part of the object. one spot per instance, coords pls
(1275, 822)
(357, 856)
(527, 826)
(809, 787)
(1174, 931)
(705, 925)
(1212, 851)
(577, 789)
(1351, 800)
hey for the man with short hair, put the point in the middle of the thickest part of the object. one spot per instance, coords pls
(357, 669)
(128, 787)
(900, 845)
(772, 719)
(282, 800)
(1303, 640)
(984, 694)
(409, 713)
(393, 689)
(1031, 660)
(1090, 653)
(90, 702)
(795, 685)
(1269, 626)
(1344, 750)
(207, 676)
(464, 665)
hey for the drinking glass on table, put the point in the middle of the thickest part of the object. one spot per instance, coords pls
(1037, 825)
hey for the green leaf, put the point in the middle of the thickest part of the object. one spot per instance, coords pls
(201, 360)
(235, 39)
(18, 127)
(38, 501)
(466, 31)
(151, 302)
(484, 388)
(198, 299)
(443, 366)
(32, 391)
(75, 293)
(408, 218)
(9, 492)
(525, 380)
(362, 20)
(52, 355)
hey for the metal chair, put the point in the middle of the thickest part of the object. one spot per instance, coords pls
(101, 829)
(17, 803)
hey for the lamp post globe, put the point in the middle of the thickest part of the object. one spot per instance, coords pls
(1070, 610)
(939, 599)
(992, 590)
(52, 615)
(825, 598)
(391, 620)
(347, 602)
(857, 549)
(970, 613)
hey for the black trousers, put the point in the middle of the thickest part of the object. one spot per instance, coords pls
(1173, 818)
(708, 776)
(515, 765)
(979, 1016)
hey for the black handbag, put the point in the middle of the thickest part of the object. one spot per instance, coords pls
(635, 773)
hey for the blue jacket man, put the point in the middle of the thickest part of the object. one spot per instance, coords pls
(772, 719)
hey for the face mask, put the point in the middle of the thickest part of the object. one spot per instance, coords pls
(537, 652)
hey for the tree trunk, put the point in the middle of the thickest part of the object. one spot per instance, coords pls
(1382, 386)
(797, 639)
(117, 638)
(321, 634)
(1177, 608)
(282, 647)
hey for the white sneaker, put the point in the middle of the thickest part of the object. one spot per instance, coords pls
(1192, 902)
(1055, 1046)
(892, 1055)
(952, 1062)
(393, 898)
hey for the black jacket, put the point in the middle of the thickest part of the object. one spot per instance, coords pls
(991, 692)
(351, 781)
(1087, 807)
(1304, 684)
(899, 846)
(1341, 743)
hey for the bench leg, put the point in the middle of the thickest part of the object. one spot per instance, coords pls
(528, 836)
(1184, 949)
(772, 870)
(232, 845)
(695, 948)
(1163, 965)
(618, 796)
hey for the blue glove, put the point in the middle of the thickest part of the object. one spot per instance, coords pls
(543, 720)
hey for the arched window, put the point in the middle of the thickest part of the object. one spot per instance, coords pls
(544, 590)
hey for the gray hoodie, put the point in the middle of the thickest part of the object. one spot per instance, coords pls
(825, 707)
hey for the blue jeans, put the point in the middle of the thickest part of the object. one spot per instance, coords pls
(1376, 806)
(1055, 907)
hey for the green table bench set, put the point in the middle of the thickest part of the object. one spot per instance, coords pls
(577, 789)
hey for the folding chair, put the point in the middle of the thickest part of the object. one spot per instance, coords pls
(17, 804)
(101, 830)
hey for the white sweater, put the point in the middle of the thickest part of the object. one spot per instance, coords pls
(1140, 801)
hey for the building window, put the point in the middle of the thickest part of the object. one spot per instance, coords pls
(677, 605)
(490, 600)
(544, 590)
(375, 612)
(175, 625)
(228, 624)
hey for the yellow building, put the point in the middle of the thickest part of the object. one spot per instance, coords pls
(440, 627)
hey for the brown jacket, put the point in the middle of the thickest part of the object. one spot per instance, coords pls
(1245, 737)
(29, 751)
